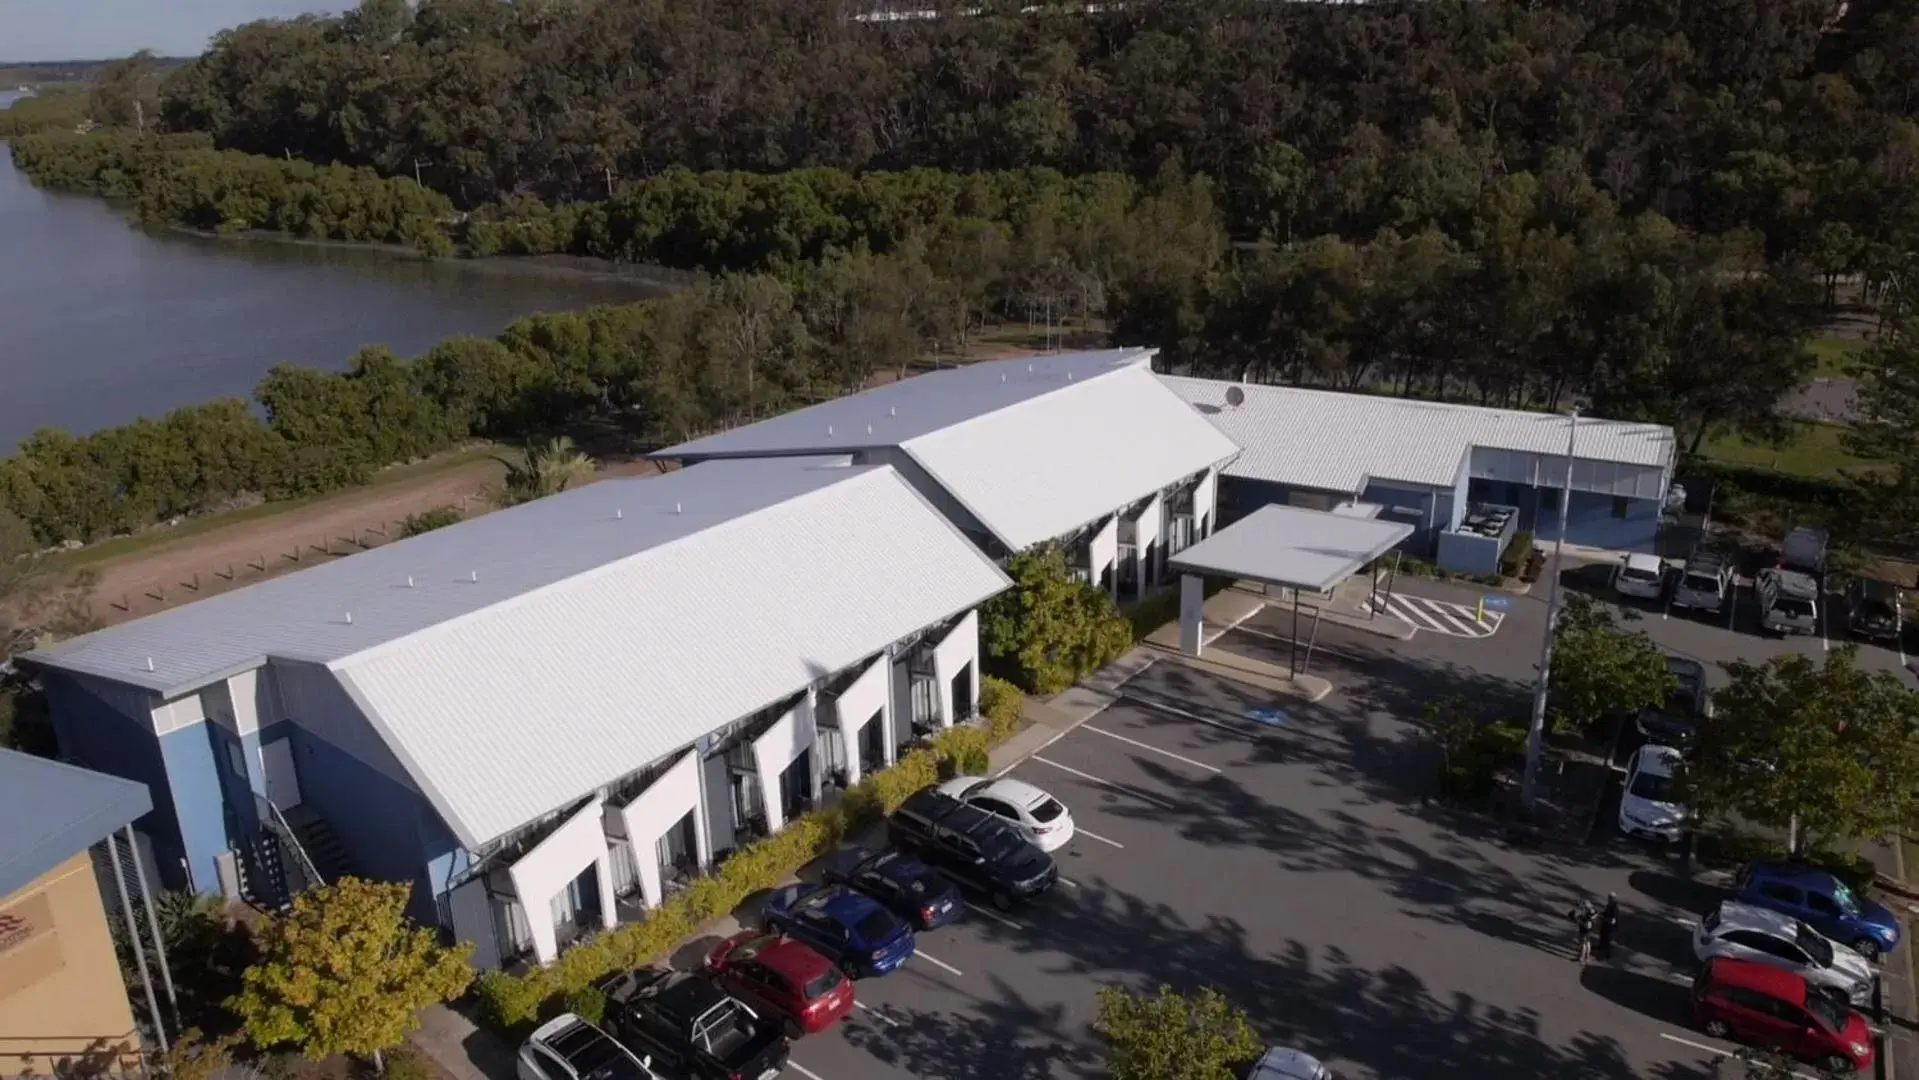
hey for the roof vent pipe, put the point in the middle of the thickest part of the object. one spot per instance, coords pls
(1069, 376)
(1029, 369)
(892, 410)
(869, 429)
(829, 430)
(676, 508)
(349, 618)
(409, 581)
(473, 575)
(149, 663)
(619, 514)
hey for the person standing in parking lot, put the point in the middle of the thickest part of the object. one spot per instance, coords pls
(1583, 918)
(1608, 922)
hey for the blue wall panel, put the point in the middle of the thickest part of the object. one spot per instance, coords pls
(385, 827)
(109, 728)
(193, 774)
(1426, 510)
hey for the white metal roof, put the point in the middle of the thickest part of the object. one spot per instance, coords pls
(1333, 441)
(1033, 448)
(1312, 550)
(548, 649)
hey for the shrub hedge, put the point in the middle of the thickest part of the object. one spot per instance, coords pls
(514, 1001)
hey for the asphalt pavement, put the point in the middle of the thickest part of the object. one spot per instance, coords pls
(1281, 852)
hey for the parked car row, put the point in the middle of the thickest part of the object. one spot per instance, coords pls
(1789, 593)
(761, 989)
(1787, 963)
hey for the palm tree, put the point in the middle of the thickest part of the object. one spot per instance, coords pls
(544, 469)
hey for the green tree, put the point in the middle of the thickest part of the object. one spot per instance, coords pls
(122, 94)
(1825, 750)
(428, 520)
(1050, 629)
(1887, 417)
(346, 972)
(545, 468)
(1759, 1063)
(1600, 670)
(1173, 1036)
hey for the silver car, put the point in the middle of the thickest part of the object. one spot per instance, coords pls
(1743, 932)
(1280, 1063)
(570, 1048)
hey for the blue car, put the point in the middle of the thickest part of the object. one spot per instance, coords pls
(914, 891)
(854, 931)
(1822, 902)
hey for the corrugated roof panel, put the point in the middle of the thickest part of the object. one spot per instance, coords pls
(527, 705)
(897, 413)
(1045, 467)
(1312, 550)
(407, 586)
(1336, 442)
(52, 811)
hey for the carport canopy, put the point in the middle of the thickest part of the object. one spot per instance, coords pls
(1295, 548)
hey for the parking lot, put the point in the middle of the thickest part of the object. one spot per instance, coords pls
(1292, 864)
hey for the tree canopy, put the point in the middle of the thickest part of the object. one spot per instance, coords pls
(1601, 670)
(1174, 1036)
(1827, 746)
(1050, 629)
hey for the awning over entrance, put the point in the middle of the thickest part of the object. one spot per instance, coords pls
(1308, 550)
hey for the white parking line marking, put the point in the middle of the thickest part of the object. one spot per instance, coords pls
(1134, 792)
(1103, 706)
(937, 962)
(1720, 1050)
(885, 1019)
(1444, 615)
(803, 1070)
(1187, 714)
(1090, 834)
(995, 916)
(1154, 749)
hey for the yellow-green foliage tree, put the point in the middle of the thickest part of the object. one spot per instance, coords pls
(1050, 629)
(1173, 1036)
(346, 972)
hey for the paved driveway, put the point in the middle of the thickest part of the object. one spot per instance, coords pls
(1294, 867)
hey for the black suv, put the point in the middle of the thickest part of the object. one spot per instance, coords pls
(972, 847)
(690, 1027)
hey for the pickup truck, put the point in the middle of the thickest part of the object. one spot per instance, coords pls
(692, 1027)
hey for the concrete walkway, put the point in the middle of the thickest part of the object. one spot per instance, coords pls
(452, 1039)
(1224, 611)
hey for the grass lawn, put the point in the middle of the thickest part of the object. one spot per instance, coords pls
(1833, 356)
(122, 546)
(1815, 451)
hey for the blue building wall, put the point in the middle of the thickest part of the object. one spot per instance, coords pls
(199, 799)
(1595, 521)
(349, 776)
(109, 728)
(1427, 510)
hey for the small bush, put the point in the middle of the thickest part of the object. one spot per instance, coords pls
(1001, 707)
(406, 1063)
(428, 520)
(588, 1003)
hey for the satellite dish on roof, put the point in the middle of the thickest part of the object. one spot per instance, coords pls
(1235, 396)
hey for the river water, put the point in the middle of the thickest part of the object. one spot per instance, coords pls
(102, 322)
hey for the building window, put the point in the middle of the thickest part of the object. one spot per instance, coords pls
(1619, 504)
(236, 760)
(1549, 499)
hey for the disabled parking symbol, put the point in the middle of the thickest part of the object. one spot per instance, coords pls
(1268, 717)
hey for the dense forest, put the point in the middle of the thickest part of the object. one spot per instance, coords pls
(1644, 205)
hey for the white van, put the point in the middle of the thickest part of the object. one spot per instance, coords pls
(1788, 602)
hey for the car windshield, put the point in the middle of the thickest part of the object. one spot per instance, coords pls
(997, 843)
(1814, 946)
(1640, 573)
(822, 985)
(1875, 608)
(1843, 896)
(1792, 605)
(1047, 810)
(1829, 1011)
(1652, 788)
(876, 925)
(1701, 583)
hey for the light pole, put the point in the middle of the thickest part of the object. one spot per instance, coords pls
(1529, 783)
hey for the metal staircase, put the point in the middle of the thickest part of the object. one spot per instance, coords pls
(295, 851)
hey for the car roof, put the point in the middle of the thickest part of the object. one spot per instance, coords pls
(1751, 975)
(1786, 871)
(929, 803)
(1874, 589)
(1706, 562)
(1282, 1063)
(680, 994)
(1794, 583)
(1736, 916)
(790, 958)
(1685, 667)
(1656, 760)
(1640, 560)
(838, 902)
(1018, 792)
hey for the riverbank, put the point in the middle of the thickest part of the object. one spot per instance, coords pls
(659, 279)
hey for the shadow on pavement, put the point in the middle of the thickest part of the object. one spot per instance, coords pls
(1672, 890)
(1005, 1038)
(1648, 995)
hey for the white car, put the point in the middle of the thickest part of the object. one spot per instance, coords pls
(1040, 818)
(1744, 932)
(1646, 807)
(569, 1048)
(1640, 575)
(1282, 1064)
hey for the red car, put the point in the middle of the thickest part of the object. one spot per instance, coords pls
(784, 975)
(1765, 1006)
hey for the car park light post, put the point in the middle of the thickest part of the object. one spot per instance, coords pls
(1529, 783)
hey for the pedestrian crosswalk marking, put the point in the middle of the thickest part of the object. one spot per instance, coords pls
(1438, 616)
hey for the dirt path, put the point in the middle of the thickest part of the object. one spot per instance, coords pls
(222, 559)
